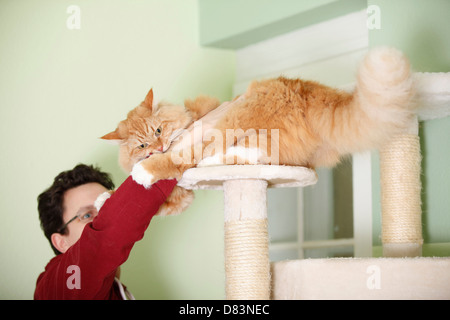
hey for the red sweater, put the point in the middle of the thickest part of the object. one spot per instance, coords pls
(104, 245)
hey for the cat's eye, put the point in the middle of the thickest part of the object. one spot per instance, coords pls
(143, 145)
(158, 132)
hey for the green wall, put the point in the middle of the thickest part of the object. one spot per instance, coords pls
(61, 89)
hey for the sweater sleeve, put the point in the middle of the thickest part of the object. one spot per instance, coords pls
(104, 244)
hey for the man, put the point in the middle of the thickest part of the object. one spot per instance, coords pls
(91, 246)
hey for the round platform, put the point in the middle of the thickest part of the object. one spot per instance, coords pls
(212, 177)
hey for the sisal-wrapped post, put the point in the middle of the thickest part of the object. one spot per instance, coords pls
(247, 265)
(400, 196)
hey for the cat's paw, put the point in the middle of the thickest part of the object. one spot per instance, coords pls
(101, 199)
(142, 176)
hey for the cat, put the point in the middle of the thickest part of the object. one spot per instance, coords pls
(317, 125)
(149, 129)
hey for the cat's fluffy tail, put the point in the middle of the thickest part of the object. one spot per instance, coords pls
(383, 101)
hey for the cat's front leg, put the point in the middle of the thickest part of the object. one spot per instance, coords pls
(156, 167)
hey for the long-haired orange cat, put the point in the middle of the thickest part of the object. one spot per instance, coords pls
(316, 125)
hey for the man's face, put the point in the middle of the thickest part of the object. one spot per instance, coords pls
(78, 201)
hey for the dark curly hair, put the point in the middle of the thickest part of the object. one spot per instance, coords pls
(50, 202)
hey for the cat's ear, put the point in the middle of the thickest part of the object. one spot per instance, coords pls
(148, 102)
(113, 137)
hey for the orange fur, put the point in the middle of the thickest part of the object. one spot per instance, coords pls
(200, 106)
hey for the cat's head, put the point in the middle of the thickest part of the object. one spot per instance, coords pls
(149, 128)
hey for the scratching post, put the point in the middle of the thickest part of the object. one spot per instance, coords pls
(400, 196)
(246, 240)
(246, 243)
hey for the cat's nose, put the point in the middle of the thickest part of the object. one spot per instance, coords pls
(160, 149)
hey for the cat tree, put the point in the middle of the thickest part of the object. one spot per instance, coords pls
(247, 265)
(401, 274)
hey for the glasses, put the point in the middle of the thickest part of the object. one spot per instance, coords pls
(85, 215)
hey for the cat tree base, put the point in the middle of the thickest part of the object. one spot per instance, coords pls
(247, 265)
(362, 278)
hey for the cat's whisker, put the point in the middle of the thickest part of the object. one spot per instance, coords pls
(175, 134)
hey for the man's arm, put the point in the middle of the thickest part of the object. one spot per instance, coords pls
(105, 243)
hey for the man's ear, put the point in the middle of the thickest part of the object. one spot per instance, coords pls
(59, 242)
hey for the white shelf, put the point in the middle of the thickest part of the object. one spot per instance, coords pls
(433, 94)
(368, 278)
